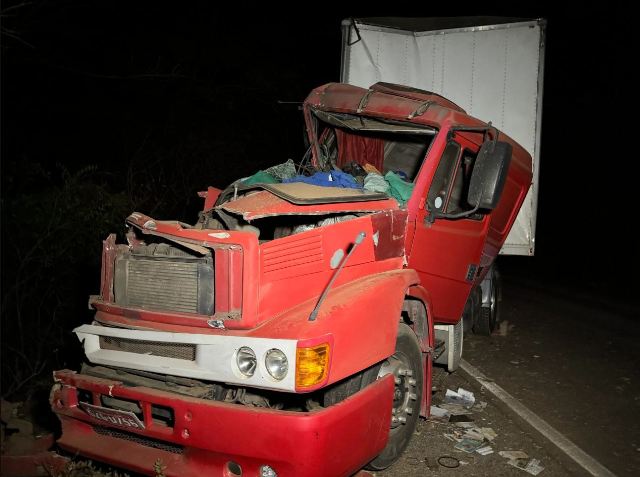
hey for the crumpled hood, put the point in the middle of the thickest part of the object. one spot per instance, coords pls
(305, 199)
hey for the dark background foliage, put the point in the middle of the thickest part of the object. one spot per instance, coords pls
(109, 107)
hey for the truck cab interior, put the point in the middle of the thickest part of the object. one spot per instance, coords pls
(387, 146)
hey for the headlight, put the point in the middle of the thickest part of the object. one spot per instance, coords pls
(246, 361)
(276, 363)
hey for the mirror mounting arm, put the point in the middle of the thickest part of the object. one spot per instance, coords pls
(434, 214)
(431, 217)
(488, 129)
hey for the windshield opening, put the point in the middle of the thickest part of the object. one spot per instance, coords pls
(347, 141)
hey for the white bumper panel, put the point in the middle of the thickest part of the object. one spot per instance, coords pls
(215, 356)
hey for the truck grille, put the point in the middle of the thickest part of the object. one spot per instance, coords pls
(150, 348)
(163, 285)
(163, 278)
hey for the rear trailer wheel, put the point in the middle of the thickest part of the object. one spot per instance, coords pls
(472, 310)
(406, 366)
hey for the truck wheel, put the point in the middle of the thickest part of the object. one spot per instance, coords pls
(348, 387)
(487, 319)
(471, 310)
(406, 366)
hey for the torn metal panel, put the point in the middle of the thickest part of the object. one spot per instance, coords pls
(265, 204)
(191, 246)
(389, 233)
(109, 251)
(210, 196)
(149, 225)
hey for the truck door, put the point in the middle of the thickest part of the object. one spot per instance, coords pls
(446, 252)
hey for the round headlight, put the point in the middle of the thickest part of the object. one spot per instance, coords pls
(246, 361)
(276, 363)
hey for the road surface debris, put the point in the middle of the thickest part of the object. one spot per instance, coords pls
(520, 460)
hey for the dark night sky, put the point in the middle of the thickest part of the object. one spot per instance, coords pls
(195, 91)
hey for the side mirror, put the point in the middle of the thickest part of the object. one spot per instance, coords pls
(489, 174)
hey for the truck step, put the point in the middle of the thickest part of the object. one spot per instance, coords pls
(438, 348)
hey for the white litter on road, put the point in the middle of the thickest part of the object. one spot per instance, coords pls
(486, 450)
(532, 467)
(462, 397)
(509, 454)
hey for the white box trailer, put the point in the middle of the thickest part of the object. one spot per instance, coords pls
(491, 67)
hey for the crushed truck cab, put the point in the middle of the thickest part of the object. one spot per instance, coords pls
(292, 329)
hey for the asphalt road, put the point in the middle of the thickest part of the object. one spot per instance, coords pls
(574, 360)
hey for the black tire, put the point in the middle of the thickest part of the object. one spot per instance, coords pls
(488, 317)
(471, 310)
(348, 387)
(483, 323)
(406, 363)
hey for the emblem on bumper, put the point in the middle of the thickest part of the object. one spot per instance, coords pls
(123, 419)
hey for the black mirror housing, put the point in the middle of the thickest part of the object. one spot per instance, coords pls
(489, 174)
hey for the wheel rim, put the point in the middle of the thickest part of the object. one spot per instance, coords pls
(404, 391)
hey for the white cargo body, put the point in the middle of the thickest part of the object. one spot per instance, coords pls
(491, 67)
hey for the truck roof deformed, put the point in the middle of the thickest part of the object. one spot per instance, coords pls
(291, 330)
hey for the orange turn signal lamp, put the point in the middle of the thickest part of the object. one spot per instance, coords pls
(312, 365)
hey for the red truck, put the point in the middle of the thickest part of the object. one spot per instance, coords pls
(291, 330)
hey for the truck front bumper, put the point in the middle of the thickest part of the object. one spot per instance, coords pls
(220, 439)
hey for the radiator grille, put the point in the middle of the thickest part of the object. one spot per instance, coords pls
(151, 348)
(145, 441)
(163, 285)
(158, 277)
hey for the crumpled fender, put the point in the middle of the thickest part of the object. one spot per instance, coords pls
(425, 336)
(359, 319)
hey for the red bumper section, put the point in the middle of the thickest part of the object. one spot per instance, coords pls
(220, 439)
